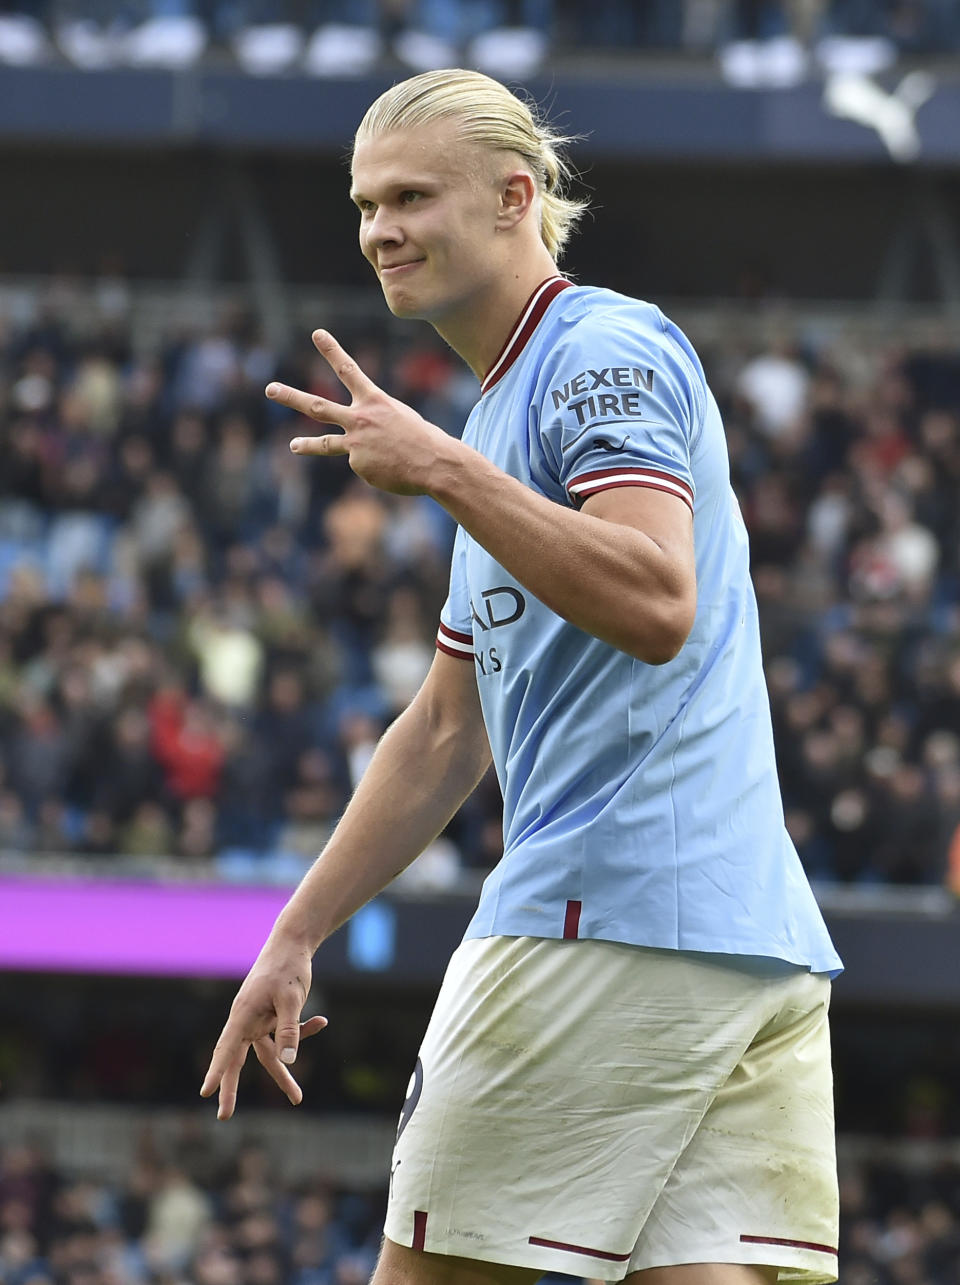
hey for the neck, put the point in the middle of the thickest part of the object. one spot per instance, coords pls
(479, 329)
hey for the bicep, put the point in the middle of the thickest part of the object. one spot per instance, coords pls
(663, 518)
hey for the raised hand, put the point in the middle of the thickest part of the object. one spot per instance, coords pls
(266, 1015)
(388, 444)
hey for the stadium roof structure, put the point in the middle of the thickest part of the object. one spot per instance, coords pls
(907, 116)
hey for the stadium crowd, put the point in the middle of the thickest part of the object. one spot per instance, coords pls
(180, 1220)
(185, 1219)
(202, 637)
(765, 41)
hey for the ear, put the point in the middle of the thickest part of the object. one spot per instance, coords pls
(517, 197)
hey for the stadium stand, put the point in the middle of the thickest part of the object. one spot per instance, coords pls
(202, 636)
(183, 1215)
(760, 41)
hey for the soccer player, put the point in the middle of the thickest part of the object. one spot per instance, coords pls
(627, 1070)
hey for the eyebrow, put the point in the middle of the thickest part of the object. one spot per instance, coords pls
(416, 184)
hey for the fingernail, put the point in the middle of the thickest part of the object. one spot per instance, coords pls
(296, 444)
(288, 1056)
(319, 334)
(272, 390)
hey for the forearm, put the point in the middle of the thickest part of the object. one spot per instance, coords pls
(624, 590)
(415, 782)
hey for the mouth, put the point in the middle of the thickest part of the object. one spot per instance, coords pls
(398, 269)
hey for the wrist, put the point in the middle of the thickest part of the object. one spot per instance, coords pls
(451, 466)
(291, 931)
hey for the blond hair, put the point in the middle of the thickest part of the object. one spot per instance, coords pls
(489, 114)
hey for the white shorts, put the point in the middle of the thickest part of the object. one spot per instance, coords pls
(593, 1108)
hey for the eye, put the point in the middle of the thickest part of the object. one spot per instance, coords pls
(364, 207)
(408, 197)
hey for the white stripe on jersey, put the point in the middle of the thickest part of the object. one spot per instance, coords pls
(516, 330)
(629, 477)
(450, 641)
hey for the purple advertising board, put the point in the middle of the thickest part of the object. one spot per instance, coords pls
(131, 927)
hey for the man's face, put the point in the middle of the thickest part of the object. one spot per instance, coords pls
(428, 204)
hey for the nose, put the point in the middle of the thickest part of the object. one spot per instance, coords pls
(383, 229)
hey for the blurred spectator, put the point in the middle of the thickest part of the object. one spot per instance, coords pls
(229, 656)
(775, 384)
(177, 1214)
(148, 833)
(401, 658)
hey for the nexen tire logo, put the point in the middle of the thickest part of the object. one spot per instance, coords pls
(501, 606)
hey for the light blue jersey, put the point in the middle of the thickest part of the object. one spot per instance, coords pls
(641, 802)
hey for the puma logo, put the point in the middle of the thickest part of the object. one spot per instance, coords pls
(892, 115)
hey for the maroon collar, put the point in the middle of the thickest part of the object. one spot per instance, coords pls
(526, 324)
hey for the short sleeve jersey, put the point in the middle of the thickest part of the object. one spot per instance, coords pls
(641, 802)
